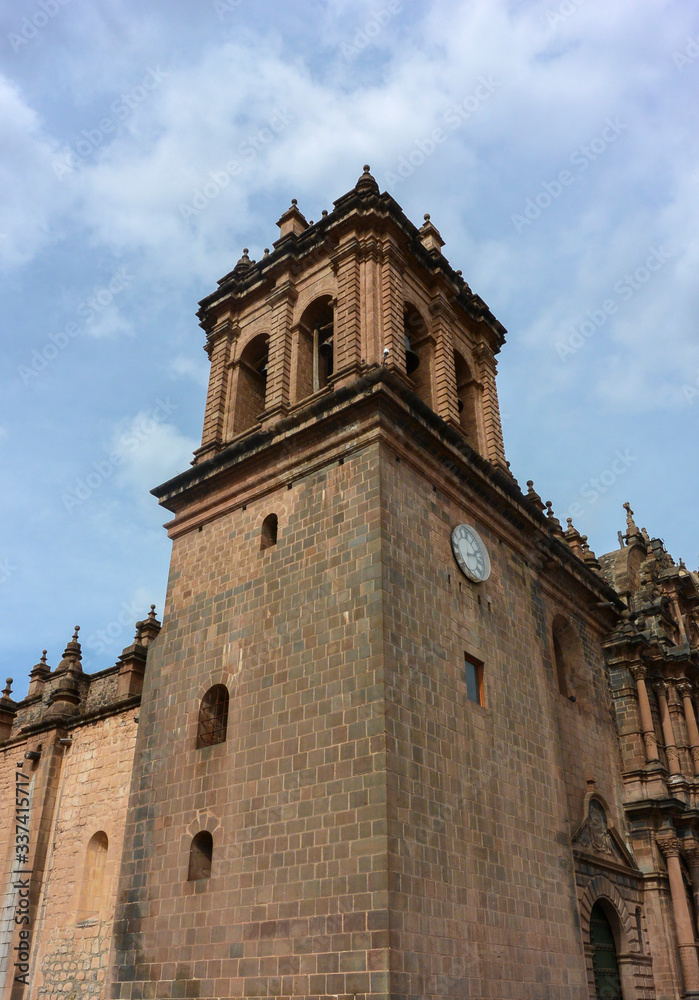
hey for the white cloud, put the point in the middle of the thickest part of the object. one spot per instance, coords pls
(151, 450)
(30, 206)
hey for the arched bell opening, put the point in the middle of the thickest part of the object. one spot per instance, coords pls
(315, 361)
(252, 383)
(467, 393)
(418, 359)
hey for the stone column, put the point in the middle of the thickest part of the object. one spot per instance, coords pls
(216, 424)
(494, 445)
(691, 855)
(347, 326)
(684, 689)
(281, 302)
(673, 757)
(445, 391)
(393, 326)
(638, 672)
(670, 846)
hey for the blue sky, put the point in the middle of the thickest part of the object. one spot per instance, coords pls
(555, 145)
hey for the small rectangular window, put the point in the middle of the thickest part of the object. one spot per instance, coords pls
(473, 675)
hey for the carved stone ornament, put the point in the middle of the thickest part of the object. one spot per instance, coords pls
(593, 834)
(596, 836)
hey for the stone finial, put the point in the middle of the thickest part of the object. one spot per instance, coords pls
(430, 236)
(554, 523)
(72, 654)
(574, 538)
(589, 556)
(244, 264)
(150, 627)
(292, 222)
(8, 711)
(37, 676)
(64, 699)
(534, 498)
(631, 527)
(646, 536)
(366, 183)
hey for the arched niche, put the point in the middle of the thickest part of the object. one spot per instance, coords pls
(569, 660)
(93, 890)
(251, 383)
(467, 396)
(201, 851)
(314, 347)
(268, 534)
(418, 352)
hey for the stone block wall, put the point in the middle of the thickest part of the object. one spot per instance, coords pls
(295, 797)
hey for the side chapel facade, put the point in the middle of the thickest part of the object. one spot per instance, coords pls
(400, 734)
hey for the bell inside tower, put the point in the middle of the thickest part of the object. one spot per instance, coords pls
(317, 326)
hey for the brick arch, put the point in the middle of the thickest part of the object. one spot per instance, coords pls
(419, 309)
(321, 289)
(204, 820)
(600, 887)
(256, 330)
(228, 679)
(225, 677)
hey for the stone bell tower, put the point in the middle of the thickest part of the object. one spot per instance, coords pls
(361, 288)
(355, 773)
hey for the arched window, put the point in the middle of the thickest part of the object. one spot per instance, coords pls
(568, 659)
(315, 347)
(467, 392)
(252, 383)
(604, 956)
(94, 885)
(270, 526)
(213, 717)
(200, 854)
(417, 353)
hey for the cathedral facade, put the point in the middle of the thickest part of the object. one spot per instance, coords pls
(400, 734)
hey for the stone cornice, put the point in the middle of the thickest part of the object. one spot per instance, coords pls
(358, 210)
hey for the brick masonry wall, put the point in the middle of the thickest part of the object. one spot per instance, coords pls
(295, 798)
(71, 957)
(482, 800)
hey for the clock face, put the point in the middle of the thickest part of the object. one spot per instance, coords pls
(470, 553)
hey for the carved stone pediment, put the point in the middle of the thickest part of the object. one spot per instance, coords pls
(594, 835)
